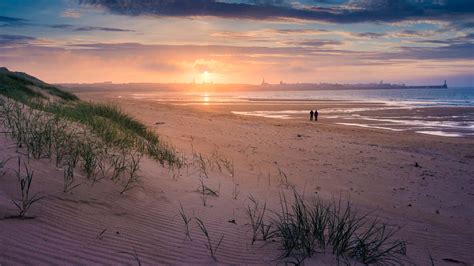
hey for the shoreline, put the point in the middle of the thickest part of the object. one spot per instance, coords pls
(417, 117)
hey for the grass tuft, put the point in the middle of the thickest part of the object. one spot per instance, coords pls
(116, 128)
(26, 200)
(211, 247)
(132, 167)
(186, 221)
(3, 162)
(303, 228)
(256, 215)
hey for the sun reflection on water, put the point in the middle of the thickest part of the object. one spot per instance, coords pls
(206, 99)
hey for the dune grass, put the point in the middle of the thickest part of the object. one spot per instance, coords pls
(67, 96)
(13, 88)
(304, 228)
(235, 190)
(26, 200)
(48, 135)
(20, 87)
(209, 245)
(206, 191)
(256, 214)
(132, 166)
(117, 128)
(107, 122)
(69, 178)
(187, 220)
(3, 163)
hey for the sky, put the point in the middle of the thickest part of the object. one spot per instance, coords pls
(240, 41)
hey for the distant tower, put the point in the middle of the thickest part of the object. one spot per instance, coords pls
(445, 85)
(264, 83)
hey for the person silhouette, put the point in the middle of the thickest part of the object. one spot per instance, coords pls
(311, 114)
(316, 115)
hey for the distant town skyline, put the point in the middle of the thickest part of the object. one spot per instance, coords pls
(240, 41)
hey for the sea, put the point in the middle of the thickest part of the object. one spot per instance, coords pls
(441, 112)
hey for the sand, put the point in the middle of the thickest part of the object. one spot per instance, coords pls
(374, 169)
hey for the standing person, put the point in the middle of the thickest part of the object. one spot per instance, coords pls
(316, 115)
(311, 114)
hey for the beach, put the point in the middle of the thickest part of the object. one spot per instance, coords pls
(420, 184)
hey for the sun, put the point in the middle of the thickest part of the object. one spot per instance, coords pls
(206, 76)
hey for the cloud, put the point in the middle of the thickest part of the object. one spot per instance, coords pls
(267, 34)
(10, 40)
(353, 11)
(413, 34)
(70, 13)
(201, 65)
(461, 40)
(463, 25)
(316, 43)
(12, 21)
(299, 31)
(368, 35)
(93, 28)
(458, 50)
(87, 28)
(461, 51)
(15, 39)
(134, 62)
(163, 67)
(19, 22)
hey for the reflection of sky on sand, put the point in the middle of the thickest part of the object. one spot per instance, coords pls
(442, 125)
(369, 126)
(270, 114)
(441, 133)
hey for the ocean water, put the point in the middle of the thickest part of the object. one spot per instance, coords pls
(440, 112)
(416, 97)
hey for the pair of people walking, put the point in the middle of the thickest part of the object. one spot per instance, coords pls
(313, 115)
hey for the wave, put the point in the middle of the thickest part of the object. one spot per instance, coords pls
(441, 133)
(370, 126)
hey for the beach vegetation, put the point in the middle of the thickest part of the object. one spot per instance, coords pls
(187, 220)
(26, 201)
(256, 214)
(209, 245)
(3, 163)
(69, 178)
(25, 88)
(202, 163)
(132, 168)
(116, 128)
(235, 191)
(206, 191)
(229, 166)
(284, 179)
(303, 228)
(47, 122)
(105, 121)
